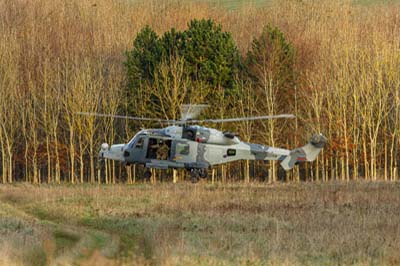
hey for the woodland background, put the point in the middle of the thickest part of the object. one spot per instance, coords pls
(62, 57)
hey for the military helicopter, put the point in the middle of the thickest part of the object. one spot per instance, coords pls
(195, 148)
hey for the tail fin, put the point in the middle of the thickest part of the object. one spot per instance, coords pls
(308, 153)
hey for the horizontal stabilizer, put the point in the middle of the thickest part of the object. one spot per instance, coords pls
(308, 153)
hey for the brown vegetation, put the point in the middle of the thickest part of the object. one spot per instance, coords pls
(59, 57)
(182, 224)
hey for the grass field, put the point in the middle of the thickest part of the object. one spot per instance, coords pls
(234, 4)
(184, 224)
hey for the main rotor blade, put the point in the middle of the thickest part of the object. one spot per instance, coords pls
(251, 118)
(179, 122)
(136, 118)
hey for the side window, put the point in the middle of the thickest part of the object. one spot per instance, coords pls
(139, 143)
(182, 148)
(231, 152)
(189, 133)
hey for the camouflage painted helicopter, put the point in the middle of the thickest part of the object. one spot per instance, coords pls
(197, 148)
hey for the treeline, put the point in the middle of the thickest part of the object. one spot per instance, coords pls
(334, 65)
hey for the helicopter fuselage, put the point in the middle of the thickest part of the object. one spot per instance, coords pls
(196, 147)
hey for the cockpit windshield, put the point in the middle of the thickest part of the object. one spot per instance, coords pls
(135, 139)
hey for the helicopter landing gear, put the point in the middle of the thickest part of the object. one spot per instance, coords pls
(203, 173)
(281, 175)
(194, 175)
(147, 175)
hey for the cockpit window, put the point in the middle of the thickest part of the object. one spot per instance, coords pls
(139, 143)
(135, 140)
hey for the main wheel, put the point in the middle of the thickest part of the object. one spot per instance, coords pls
(147, 175)
(282, 175)
(203, 173)
(194, 175)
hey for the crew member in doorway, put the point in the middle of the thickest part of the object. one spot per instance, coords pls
(162, 151)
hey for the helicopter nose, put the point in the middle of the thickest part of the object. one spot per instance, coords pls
(105, 146)
(115, 152)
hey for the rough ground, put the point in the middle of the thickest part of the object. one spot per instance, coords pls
(185, 224)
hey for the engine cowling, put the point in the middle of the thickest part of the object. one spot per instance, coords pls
(208, 135)
(220, 138)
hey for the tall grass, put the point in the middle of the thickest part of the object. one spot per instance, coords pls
(56, 57)
(258, 224)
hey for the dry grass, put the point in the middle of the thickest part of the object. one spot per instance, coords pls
(59, 57)
(292, 224)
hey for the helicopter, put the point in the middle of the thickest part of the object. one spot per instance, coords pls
(184, 144)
